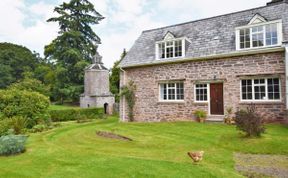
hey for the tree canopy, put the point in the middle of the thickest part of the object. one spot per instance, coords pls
(115, 77)
(74, 47)
(15, 61)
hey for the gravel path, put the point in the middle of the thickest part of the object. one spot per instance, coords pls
(254, 165)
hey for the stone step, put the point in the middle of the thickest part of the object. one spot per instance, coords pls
(215, 119)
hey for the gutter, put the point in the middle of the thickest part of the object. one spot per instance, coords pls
(124, 100)
(210, 57)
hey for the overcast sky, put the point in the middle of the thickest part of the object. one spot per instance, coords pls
(24, 21)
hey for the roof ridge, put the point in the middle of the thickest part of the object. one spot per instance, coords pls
(208, 18)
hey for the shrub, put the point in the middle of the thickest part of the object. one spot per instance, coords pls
(200, 115)
(30, 84)
(4, 127)
(30, 105)
(18, 124)
(12, 144)
(39, 128)
(76, 114)
(249, 122)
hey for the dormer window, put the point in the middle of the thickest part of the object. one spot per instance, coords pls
(259, 33)
(170, 47)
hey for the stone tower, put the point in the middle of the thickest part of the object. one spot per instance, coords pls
(96, 86)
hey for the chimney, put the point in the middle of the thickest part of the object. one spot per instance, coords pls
(273, 2)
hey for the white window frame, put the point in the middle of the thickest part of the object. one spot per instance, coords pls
(183, 41)
(175, 88)
(266, 91)
(279, 34)
(208, 93)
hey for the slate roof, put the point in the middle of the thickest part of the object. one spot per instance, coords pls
(211, 36)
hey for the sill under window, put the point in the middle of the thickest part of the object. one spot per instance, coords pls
(256, 48)
(200, 102)
(171, 102)
(261, 102)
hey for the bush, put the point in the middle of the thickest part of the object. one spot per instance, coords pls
(4, 127)
(12, 144)
(30, 105)
(18, 124)
(249, 122)
(76, 114)
(39, 128)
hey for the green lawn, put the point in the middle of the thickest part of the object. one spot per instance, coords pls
(158, 150)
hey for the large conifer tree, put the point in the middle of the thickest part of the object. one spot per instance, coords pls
(74, 47)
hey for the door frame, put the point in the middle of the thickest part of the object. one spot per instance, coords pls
(209, 99)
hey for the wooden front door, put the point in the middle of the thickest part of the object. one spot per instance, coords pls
(216, 99)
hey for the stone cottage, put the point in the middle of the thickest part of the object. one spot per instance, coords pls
(96, 86)
(211, 64)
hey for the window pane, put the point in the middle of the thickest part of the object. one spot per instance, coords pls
(271, 34)
(201, 92)
(178, 48)
(245, 38)
(257, 36)
(246, 89)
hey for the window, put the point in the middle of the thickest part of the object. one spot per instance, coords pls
(170, 49)
(245, 38)
(258, 36)
(201, 93)
(260, 89)
(172, 91)
(271, 34)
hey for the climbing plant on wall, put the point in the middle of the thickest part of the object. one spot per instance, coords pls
(128, 91)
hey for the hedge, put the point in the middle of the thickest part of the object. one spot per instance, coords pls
(75, 114)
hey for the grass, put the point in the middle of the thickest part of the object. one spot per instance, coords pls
(157, 150)
(62, 107)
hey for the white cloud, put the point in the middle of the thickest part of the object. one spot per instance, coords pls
(13, 29)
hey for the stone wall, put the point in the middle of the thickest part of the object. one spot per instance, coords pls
(96, 82)
(227, 70)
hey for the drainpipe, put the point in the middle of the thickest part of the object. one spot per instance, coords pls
(123, 98)
(286, 71)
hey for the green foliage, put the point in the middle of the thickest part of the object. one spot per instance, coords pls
(18, 124)
(76, 114)
(4, 127)
(39, 128)
(31, 84)
(115, 78)
(128, 91)
(15, 60)
(249, 122)
(200, 114)
(12, 144)
(73, 48)
(30, 105)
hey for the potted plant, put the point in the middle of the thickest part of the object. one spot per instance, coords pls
(201, 115)
(228, 116)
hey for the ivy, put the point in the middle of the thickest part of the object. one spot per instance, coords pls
(128, 91)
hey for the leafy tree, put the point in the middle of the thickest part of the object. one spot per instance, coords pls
(115, 77)
(30, 84)
(73, 49)
(15, 60)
